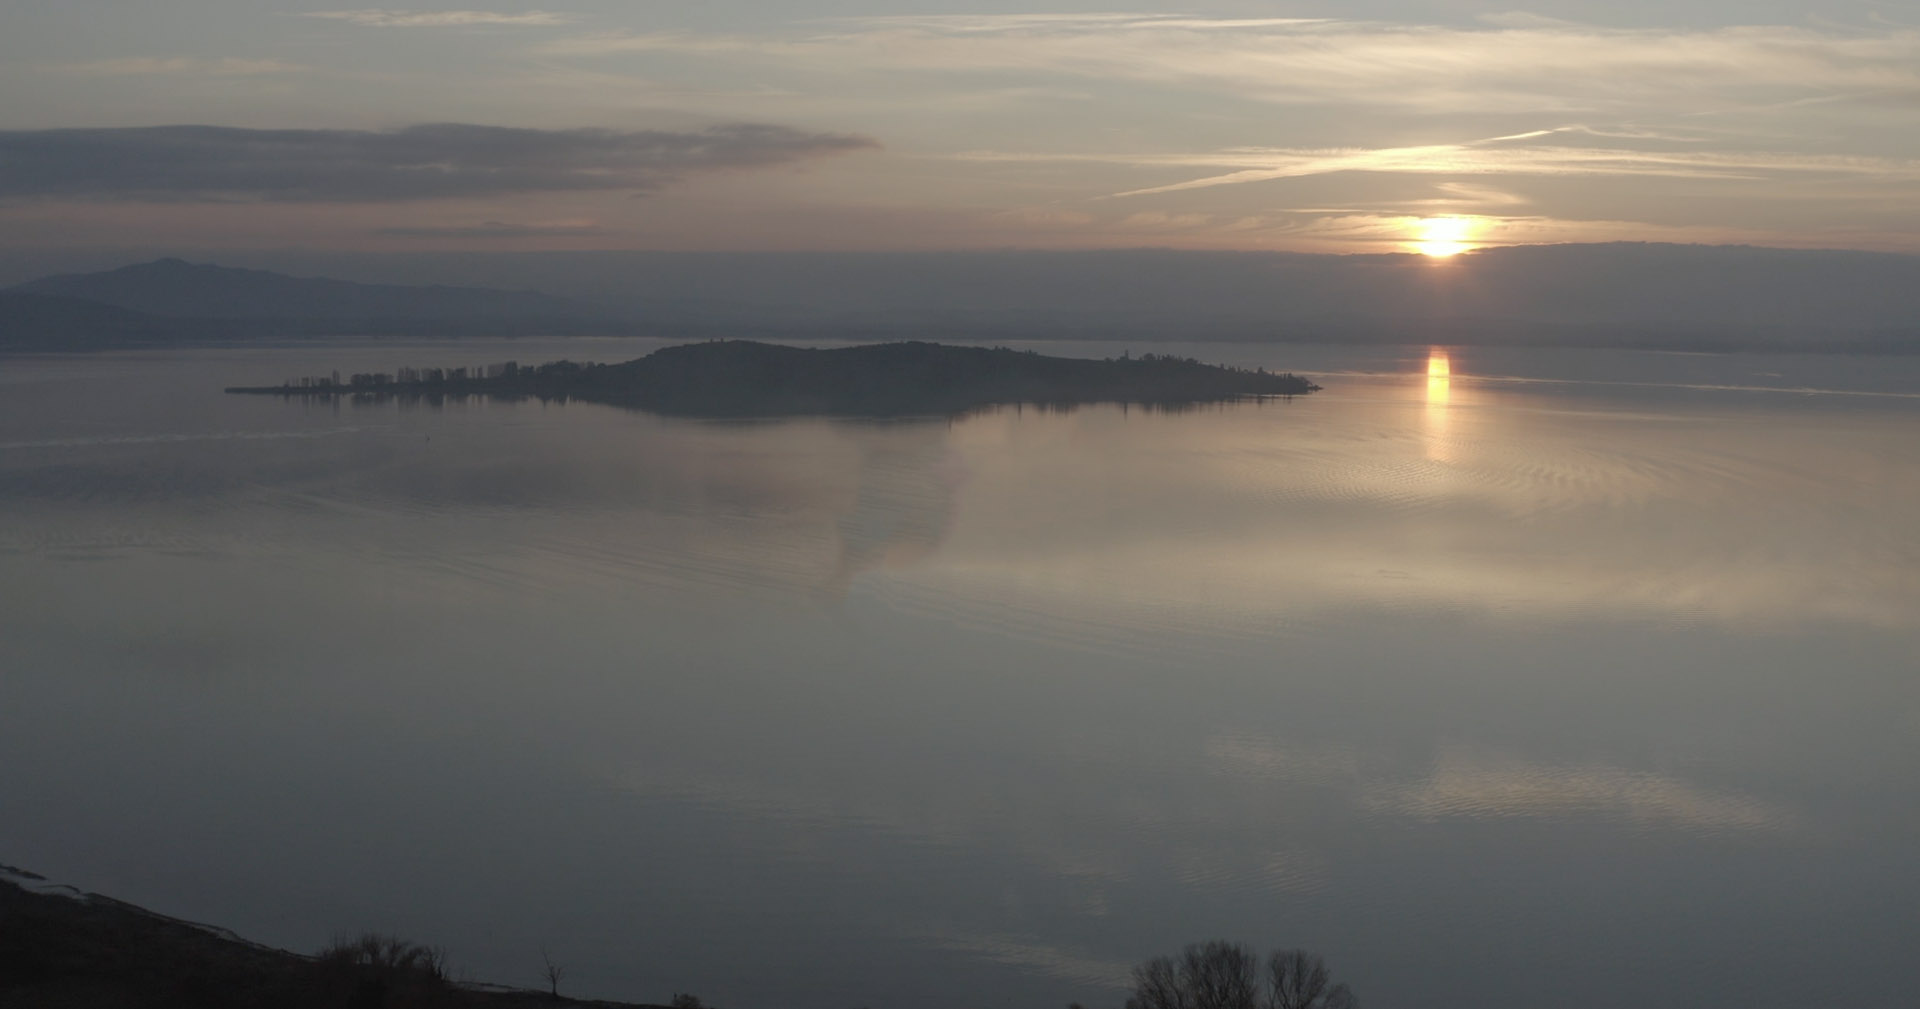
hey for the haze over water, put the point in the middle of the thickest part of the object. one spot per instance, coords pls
(1492, 685)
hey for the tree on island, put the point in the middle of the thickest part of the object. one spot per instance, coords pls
(1225, 975)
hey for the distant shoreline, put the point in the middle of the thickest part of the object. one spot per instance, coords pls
(1631, 295)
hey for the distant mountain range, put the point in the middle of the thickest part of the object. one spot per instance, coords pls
(171, 301)
(41, 322)
(183, 290)
(1627, 294)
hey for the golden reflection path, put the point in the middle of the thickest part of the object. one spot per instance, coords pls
(1439, 405)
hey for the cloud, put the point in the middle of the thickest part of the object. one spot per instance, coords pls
(1549, 160)
(376, 18)
(496, 229)
(1472, 786)
(1003, 23)
(1516, 155)
(182, 66)
(179, 163)
(1471, 195)
(1528, 65)
(1030, 954)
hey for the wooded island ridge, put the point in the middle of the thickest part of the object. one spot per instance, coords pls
(740, 378)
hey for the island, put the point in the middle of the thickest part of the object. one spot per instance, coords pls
(743, 378)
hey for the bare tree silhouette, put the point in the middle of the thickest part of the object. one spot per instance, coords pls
(1225, 975)
(553, 972)
(1297, 979)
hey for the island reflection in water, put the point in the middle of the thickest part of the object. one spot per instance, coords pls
(1449, 680)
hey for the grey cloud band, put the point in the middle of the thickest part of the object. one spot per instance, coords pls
(172, 163)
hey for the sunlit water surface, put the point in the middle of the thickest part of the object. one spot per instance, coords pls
(1577, 679)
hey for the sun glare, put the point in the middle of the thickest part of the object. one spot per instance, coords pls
(1441, 237)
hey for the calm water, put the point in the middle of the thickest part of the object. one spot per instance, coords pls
(1572, 679)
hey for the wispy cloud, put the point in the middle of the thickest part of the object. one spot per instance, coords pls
(1552, 160)
(1029, 953)
(1002, 23)
(1507, 155)
(496, 229)
(172, 163)
(378, 18)
(1470, 786)
(1530, 65)
(182, 66)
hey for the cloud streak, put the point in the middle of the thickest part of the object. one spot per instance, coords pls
(182, 66)
(1549, 160)
(185, 163)
(495, 229)
(378, 18)
(1466, 786)
(1521, 66)
(1508, 155)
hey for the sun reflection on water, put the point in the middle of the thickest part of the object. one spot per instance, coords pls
(1439, 403)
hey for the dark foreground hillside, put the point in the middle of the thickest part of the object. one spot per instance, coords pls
(60, 949)
(739, 378)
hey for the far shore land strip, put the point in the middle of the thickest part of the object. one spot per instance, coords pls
(739, 378)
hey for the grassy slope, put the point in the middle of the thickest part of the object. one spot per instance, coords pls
(62, 949)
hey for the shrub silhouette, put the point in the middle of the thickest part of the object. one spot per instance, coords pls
(1225, 975)
(380, 971)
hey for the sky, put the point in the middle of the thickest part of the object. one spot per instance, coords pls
(1360, 126)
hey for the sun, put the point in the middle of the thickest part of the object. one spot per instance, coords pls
(1441, 237)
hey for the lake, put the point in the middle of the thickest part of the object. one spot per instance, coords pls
(1499, 677)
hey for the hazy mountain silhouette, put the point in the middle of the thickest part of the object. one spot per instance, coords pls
(44, 322)
(175, 287)
(1617, 294)
(224, 302)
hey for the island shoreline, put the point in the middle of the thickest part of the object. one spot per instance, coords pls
(741, 378)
